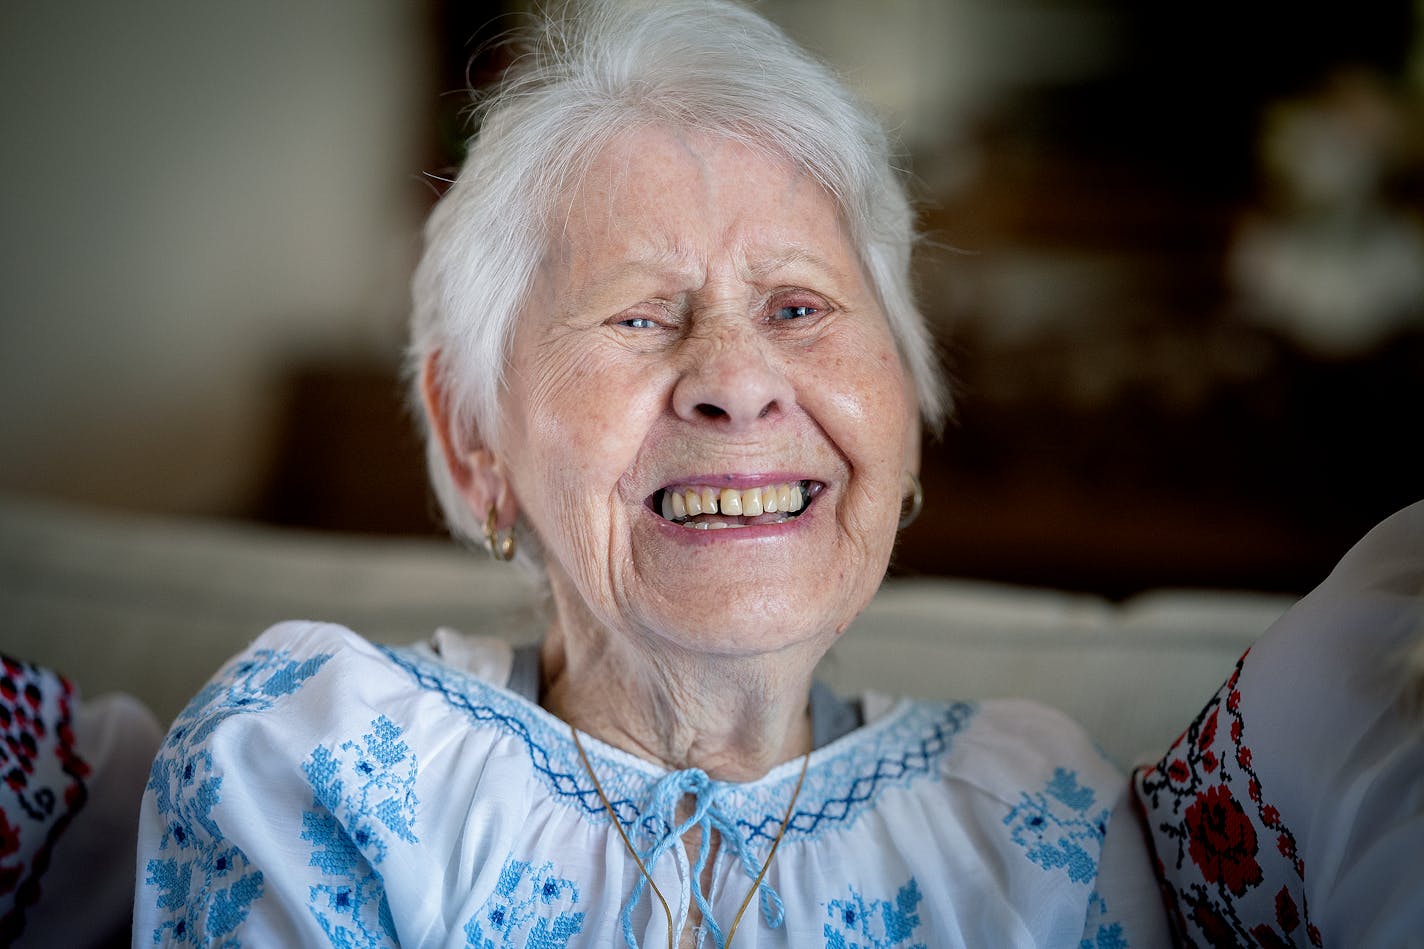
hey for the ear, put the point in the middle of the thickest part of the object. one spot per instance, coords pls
(477, 472)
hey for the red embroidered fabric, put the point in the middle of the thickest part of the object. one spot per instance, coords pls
(42, 783)
(1291, 811)
(1218, 839)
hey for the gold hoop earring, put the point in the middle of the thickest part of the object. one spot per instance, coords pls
(916, 496)
(500, 544)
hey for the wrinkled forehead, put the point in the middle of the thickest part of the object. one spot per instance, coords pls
(658, 193)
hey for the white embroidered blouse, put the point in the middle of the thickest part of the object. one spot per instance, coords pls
(322, 789)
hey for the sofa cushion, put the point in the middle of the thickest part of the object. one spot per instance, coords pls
(153, 605)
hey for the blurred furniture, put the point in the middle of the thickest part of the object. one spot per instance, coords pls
(152, 606)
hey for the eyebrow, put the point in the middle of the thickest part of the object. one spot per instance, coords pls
(788, 258)
(669, 263)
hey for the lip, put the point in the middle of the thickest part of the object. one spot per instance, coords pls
(740, 481)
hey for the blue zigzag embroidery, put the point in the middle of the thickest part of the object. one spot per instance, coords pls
(878, 924)
(203, 885)
(1058, 829)
(842, 802)
(836, 792)
(526, 894)
(361, 799)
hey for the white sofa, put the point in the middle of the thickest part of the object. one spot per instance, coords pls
(152, 606)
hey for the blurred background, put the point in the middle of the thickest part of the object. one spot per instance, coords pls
(1174, 258)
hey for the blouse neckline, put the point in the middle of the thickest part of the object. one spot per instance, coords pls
(612, 756)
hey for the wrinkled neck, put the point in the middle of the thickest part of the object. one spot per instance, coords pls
(733, 717)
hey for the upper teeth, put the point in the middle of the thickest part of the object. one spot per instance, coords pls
(684, 502)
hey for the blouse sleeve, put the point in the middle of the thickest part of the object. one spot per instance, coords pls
(1073, 854)
(1291, 811)
(231, 818)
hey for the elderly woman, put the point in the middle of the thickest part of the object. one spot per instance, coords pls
(668, 359)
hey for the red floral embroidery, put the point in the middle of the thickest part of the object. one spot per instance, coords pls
(1267, 937)
(1213, 925)
(1209, 817)
(1208, 732)
(1222, 841)
(1286, 913)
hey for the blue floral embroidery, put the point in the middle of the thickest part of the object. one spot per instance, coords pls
(523, 894)
(377, 784)
(204, 887)
(879, 924)
(249, 685)
(1098, 934)
(1106, 937)
(1054, 825)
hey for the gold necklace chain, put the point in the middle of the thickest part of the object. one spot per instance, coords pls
(756, 884)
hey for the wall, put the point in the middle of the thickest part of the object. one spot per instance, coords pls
(193, 196)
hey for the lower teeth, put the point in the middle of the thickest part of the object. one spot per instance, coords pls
(722, 525)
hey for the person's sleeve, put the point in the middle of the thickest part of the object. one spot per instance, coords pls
(87, 892)
(1291, 810)
(1072, 849)
(232, 837)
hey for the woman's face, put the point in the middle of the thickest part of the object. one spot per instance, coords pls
(702, 331)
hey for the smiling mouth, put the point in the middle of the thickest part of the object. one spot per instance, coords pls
(703, 507)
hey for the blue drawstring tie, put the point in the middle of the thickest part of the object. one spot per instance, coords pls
(662, 809)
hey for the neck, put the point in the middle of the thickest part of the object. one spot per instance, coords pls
(734, 717)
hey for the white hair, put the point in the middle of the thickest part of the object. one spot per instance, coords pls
(704, 65)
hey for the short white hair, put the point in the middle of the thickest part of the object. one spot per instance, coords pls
(708, 66)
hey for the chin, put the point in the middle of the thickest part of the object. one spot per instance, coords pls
(744, 626)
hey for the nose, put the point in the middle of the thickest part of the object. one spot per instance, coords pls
(731, 381)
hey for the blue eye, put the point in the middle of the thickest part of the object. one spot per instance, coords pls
(795, 312)
(638, 323)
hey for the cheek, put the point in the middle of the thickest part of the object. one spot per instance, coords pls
(867, 410)
(583, 424)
